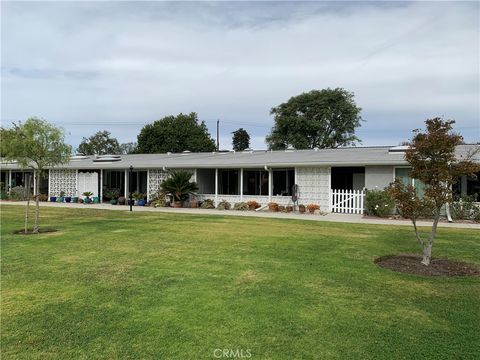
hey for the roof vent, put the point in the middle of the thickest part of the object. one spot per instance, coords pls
(248, 151)
(78, 157)
(107, 158)
(398, 149)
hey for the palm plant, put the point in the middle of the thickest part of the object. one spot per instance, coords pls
(178, 185)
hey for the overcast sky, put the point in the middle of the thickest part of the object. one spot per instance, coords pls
(90, 66)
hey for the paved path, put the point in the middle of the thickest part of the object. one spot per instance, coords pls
(346, 218)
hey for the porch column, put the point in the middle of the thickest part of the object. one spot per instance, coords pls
(216, 187)
(100, 200)
(9, 180)
(195, 175)
(148, 185)
(241, 184)
(270, 176)
(49, 177)
(126, 183)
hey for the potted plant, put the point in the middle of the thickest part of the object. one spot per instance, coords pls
(301, 208)
(312, 207)
(61, 197)
(68, 199)
(137, 196)
(53, 199)
(194, 202)
(113, 195)
(273, 206)
(178, 184)
(281, 208)
(253, 205)
(208, 204)
(121, 200)
(74, 199)
(224, 205)
(87, 199)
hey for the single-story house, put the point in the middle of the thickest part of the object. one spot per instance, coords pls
(320, 175)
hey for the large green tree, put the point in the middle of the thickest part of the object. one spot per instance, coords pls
(101, 143)
(433, 160)
(240, 140)
(38, 145)
(175, 134)
(317, 119)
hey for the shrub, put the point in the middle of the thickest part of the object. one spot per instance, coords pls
(242, 206)
(273, 206)
(19, 193)
(224, 205)
(312, 207)
(465, 208)
(208, 204)
(252, 205)
(42, 197)
(379, 203)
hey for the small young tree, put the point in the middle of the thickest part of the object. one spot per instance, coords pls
(240, 140)
(35, 144)
(433, 161)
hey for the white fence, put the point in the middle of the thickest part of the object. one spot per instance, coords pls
(347, 201)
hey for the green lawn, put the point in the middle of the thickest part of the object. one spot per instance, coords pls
(116, 285)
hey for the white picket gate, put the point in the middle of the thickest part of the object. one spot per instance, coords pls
(347, 201)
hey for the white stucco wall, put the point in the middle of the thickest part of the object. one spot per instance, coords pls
(378, 177)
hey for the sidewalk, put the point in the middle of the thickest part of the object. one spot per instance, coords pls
(333, 217)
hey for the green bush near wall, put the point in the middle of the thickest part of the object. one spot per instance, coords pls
(379, 203)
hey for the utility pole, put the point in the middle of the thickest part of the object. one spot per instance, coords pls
(218, 141)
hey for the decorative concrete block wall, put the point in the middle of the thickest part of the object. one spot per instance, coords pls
(155, 178)
(314, 186)
(63, 180)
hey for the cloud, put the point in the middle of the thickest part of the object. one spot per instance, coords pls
(115, 63)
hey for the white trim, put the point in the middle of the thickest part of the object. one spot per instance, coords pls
(148, 185)
(126, 185)
(100, 200)
(330, 195)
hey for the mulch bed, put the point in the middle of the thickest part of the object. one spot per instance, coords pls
(410, 263)
(30, 231)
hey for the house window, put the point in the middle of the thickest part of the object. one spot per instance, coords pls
(404, 175)
(228, 182)
(255, 182)
(283, 180)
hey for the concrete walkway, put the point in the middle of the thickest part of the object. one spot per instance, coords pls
(345, 218)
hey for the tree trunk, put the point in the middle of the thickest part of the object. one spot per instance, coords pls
(427, 248)
(37, 202)
(27, 207)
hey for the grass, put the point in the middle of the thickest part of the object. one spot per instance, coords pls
(115, 285)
